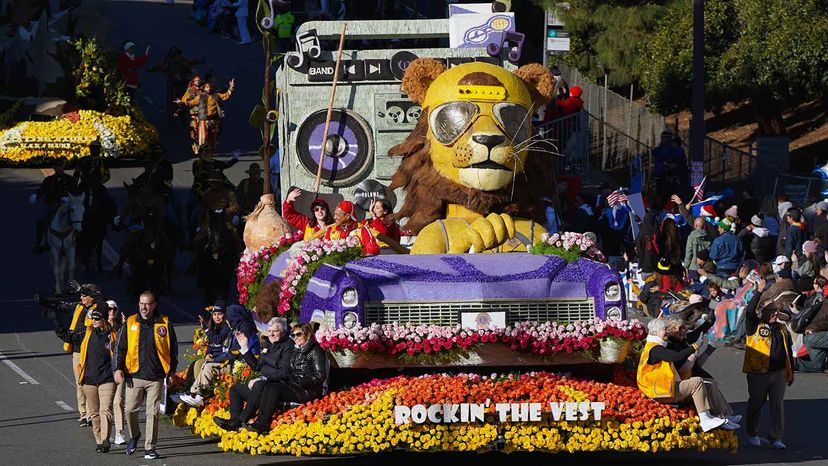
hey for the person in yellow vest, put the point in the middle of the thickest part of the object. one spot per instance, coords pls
(80, 311)
(95, 376)
(147, 354)
(768, 365)
(659, 379)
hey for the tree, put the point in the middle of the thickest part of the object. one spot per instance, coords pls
(771, 54)
(605, 35)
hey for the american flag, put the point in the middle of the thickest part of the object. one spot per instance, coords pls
(699, 190)
(617, 197)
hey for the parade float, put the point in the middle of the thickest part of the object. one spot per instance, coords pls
(485, 313)
(100, 121)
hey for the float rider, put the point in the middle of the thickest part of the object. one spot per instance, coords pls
(81, 311)
(346, 224)
(54, 188)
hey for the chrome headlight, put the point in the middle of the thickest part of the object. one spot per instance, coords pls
(349, 297)
(614, 313)
(350, 320)
(612, 292)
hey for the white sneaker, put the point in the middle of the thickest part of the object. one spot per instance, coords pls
(730, 425)
(119, 438)
(778, 445)
(194, 401)
(711, 423)
(735, 418)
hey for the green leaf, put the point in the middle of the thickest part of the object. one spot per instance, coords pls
(257, 117)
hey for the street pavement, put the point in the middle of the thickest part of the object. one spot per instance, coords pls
(38, 418)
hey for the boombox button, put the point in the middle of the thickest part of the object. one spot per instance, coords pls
(324, 71)
(400, 61)
(378, 70)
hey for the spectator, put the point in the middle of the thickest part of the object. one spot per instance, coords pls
(782, 207)
(820, 226)
(614, 228)
(698, 240)
(306, 380)
(95, 373)
(647, 244)
(809, 263)
(706, 213)
(147, 354)
(658, 378)
(239, 320)
(250, 189)
(274, 366)
(129, 65)
(815, 340)
(379, 223)
(703, 262)
(769, 368)
(573, 103)
(552, 222)
(582, 217)
(726, 249)
(757, 240)
(795, 236)
(770, 220)
(321, 214)
(669, 243)
(241, 22)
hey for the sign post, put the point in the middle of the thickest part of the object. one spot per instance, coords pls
(557, 39)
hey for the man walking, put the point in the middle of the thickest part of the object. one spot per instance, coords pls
(147, 355)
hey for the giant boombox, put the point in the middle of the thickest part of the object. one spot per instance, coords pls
(370, 112)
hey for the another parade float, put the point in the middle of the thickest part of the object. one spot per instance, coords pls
(486, 306)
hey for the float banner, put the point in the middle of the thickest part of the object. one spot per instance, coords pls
(450, 413)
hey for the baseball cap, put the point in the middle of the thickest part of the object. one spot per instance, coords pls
(781, 260)
(757, 221)
(91, 289)
(112, 303)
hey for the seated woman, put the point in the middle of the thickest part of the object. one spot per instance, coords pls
(305, 381)
(659, 379)
(218, 333)
(321, 214)
(240, 321)
(274, 366)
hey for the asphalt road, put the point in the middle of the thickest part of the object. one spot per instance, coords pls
(38, 419)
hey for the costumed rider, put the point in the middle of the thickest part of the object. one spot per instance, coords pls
(81, 311)
(311, 226)
(658, 378)
(94, 371)
(346, 224)
(54, 188)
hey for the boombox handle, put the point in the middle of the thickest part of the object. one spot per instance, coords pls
(392, 29)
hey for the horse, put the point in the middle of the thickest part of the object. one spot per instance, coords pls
(99, 212)
(217, 247)
(148, 252)
(64, 226)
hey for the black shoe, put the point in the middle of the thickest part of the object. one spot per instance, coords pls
(258, 428)
(227, 424)
(104, 446)
(151, 455)
(98, 449)
(82, 422)
(132, 446)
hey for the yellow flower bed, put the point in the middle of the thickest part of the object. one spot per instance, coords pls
(70, 137)
(341, 424)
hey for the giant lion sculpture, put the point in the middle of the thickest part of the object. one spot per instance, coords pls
(472, 180)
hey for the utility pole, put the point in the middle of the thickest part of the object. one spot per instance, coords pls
(697, 129)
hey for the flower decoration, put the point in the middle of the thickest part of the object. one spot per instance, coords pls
(255, 265)
(70, 137)
(410, 340)
(307, 260)
(569, 245)
(361, 419)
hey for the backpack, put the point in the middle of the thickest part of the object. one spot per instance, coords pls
(801, 320)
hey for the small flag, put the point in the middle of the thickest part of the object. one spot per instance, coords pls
(617, 197)
(698, 196)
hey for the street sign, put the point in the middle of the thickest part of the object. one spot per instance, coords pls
(557, 39)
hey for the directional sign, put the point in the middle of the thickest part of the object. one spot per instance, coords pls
(378, 70)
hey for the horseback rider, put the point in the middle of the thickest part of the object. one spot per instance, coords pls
(250, 189)
(54, 188)
(143, 205)
(91, 170)
(207, 166)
